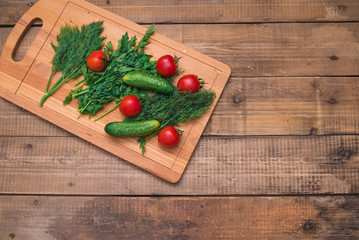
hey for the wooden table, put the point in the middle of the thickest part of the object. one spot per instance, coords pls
(279, 158)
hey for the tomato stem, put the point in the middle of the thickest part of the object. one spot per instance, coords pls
(180, 132)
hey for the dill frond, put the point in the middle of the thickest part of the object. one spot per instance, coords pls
(74, 46)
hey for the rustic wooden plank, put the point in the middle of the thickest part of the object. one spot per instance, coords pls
(283, 49)
(287, 106)
(248, 106)
(220, 165)
(208, 11)
(41, 217)
(16, 121)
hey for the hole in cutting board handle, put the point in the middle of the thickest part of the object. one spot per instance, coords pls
(25, 40)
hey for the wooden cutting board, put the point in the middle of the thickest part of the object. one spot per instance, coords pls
(24, 82)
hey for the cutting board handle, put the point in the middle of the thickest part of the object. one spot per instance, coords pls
(43, 11)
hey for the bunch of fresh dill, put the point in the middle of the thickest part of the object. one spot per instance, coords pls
(74, 45)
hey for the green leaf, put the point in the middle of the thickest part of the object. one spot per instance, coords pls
(68, 99)
(142, 142)
(84, 69)
(144, 41)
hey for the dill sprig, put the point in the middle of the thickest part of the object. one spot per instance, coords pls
(74, 46)
(173, 109)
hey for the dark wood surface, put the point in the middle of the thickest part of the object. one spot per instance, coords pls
(279, 158)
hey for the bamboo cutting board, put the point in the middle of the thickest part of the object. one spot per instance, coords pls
(24, 82)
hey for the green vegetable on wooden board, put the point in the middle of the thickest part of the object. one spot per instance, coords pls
(128, 71)
(147, 81)
(131, 129)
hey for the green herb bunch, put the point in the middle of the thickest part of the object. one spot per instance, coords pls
(99, 88)
(74, 46)
(172, 110)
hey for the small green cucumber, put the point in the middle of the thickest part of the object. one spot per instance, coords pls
(147, 81)
(131, 129)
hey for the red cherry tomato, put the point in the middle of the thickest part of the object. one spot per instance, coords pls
(96, 61)
(130, 106)
(189, 83)
(168, 136)
(166, 66)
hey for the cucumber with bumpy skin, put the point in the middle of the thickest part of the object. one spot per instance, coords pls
(147, 81)
(131, 129)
